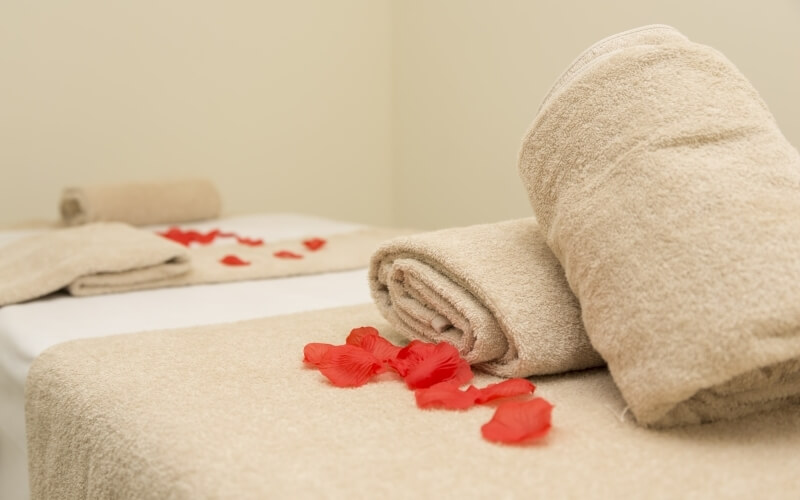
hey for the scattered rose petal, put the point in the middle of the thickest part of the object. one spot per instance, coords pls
(425, 365)
(357, 334)
(349, 366)
(314, 352)
(446, 395)
(187, 237)
(232, 260)
(286, 254)
(251, 242)
(505, 389)
(314, 244)
(370, 340)
(518, 421)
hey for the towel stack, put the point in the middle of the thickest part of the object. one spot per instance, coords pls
(667, 200)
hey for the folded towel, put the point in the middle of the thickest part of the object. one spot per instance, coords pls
(495, 291)
(666, 190)
(141, 204)
(114, 257)
(95, 258)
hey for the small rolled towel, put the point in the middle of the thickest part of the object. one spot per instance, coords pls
(669, 195)
(495, 291)
(91, 259)
(141, 204)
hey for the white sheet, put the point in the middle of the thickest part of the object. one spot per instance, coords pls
(28, 329)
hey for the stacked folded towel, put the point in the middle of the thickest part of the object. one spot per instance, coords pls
(141, 204)
(91, 259)
(108, 257)
(669, 196)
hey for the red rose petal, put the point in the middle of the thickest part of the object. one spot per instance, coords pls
(314, 244)
(251, 242)
(370, 340)
(446, 395)
(505, 389)
(349, 366)
(314, 352)
(286, 254)
(441, 364)
(358, 334)
(232, 260)
(518, 421)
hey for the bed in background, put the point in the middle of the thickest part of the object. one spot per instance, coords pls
(27, 329)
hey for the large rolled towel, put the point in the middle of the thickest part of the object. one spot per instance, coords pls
(91, 259)
(495, 291)
(141, 204)
(666, 190)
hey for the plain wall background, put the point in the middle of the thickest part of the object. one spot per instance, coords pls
(407, 111)
(286, 105)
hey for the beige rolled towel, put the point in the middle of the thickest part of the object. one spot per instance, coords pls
(141, 204)
(495, 291)
(91, 259)
(666, 190)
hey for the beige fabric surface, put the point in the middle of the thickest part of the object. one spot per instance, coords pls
(495, 291)
(666, 190)
(104, 257)
(141, 204)
(228, 411)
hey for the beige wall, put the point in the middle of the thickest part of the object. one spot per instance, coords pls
(469, 76)
(405, 111)
(286, 105)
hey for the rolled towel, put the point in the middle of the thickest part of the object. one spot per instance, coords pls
(495, 291)
(141, 204)
(666, 190)
(91, 259)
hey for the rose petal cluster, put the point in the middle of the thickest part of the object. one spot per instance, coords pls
(436, 373)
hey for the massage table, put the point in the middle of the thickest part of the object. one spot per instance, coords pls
(27, 329)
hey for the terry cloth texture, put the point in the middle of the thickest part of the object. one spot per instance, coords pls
(495, 291)
(95, 258)
(669, 195)
(141, 204)
(228, 411)
(113, 257)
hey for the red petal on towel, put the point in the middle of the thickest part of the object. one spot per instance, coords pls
(251, 242)
(446, 395)
(505, 389)
(515, 421)
(314, 352)
(232, 260)
(358, 334)
(314, 244)
(368, 338)
(428, 364)
(204, 239)
(286, 254)
(349, 366)
(175, 234)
